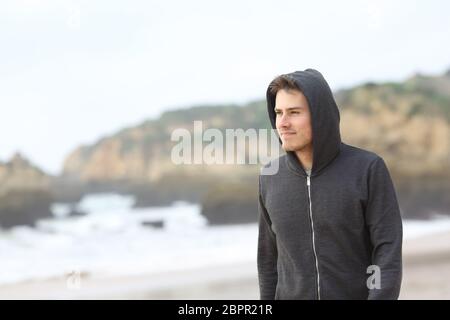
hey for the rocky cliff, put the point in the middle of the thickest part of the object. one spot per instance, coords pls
(24, 192)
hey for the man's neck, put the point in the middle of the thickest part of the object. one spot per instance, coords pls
(305, 156)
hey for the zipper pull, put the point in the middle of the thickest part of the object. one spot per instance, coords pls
(308, 181)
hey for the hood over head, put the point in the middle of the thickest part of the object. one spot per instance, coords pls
(324, 119)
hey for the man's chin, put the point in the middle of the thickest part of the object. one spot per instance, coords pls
(289, 147)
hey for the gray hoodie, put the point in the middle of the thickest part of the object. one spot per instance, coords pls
(336, 234)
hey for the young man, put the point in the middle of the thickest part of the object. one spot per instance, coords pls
(329, 221)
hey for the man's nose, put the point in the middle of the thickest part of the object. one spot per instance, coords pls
(283, 122)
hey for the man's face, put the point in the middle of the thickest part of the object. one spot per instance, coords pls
(293, 120)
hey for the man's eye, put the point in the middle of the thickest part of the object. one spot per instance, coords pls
(295, 112)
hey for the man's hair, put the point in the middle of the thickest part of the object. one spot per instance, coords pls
(282, 82)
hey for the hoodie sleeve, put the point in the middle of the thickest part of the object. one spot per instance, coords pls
(267, 254)
(385, 226)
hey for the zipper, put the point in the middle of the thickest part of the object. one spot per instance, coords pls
(308, 183)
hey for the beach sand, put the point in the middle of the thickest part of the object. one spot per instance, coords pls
(426, 267)
(426, 275)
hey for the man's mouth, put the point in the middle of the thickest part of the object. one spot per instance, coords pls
(287, 134)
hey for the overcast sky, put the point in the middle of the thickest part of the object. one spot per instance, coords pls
(74, 71)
